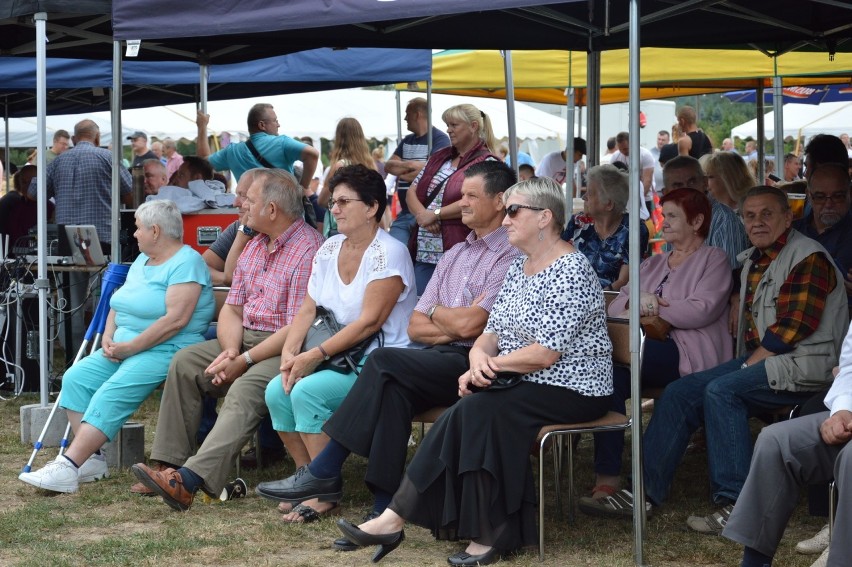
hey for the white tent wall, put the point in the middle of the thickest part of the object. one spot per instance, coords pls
(316, 115)
(826, 118)
(22, 131)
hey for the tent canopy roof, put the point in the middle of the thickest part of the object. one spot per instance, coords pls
(76, 85)
(773, 25)
(543, 76)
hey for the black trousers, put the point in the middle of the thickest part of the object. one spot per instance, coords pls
(374, 420)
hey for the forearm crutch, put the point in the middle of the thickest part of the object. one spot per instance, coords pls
(112, 279)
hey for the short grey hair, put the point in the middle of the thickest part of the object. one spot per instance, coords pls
(164, 214)
(612, 184)
(542, 192)
(281, 188)
(169, 143)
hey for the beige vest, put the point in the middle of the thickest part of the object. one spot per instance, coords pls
(808, 366)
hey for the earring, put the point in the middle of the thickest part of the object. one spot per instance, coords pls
(540, 235)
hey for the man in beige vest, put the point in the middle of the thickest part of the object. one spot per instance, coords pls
(786, 349)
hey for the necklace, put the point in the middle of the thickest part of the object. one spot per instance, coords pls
(541, 258)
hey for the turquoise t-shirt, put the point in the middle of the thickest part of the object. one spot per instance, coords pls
(281, 151)
(142, 298)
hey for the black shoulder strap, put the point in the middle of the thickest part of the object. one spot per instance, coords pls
(257, 155)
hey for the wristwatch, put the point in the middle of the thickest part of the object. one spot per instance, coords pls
(246, 230)
(249, 361)
(431, 311)
(438, 212)
(745, 365)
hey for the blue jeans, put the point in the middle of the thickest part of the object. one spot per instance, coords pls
(422, 274)
(723, 398)
(401, 227)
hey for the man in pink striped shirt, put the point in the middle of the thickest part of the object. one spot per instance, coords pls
(269, 284)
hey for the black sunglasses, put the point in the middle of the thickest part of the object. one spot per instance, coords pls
(512, 210)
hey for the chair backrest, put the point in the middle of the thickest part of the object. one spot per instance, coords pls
(220, 294)
(609, 296)
(619, 333)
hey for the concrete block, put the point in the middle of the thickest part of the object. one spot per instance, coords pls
(33, 418)
(132, 438)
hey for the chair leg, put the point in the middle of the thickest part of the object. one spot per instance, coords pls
(541, 498)
(569, 449)
(832, 507)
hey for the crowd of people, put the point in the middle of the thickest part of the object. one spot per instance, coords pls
(486, 296)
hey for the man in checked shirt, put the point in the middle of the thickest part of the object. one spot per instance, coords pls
(793, 318)
(269, 284)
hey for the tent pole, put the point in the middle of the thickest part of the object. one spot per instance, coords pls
(636, 193)
(778, 107)
(117, 141)
(761, 136)
(6, 145)
(593, 104)
(42, 282)
(569, 153)
(510, 108)
(429, 107)
(203, 72)
(399, 119)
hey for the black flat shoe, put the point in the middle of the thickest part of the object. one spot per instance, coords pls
(465, 559)
(386, 542)
(301, 486)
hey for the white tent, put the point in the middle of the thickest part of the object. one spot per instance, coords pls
(307, 114)
(22, 131)
(805, 119)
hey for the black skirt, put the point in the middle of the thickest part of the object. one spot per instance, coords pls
(472, 477)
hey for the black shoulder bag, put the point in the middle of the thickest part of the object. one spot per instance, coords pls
(324, 327)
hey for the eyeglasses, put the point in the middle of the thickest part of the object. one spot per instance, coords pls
(341, 202)
(820, 198)
(512, 210)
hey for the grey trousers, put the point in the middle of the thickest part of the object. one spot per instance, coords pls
(788, 456)
(181, 409)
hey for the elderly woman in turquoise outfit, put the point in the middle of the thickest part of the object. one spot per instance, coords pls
(165, 304)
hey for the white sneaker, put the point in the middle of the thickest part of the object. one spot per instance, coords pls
(58, 475)
(816, 544)
(95, 468)
(823, 559)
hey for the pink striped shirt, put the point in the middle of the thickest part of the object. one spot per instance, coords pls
(270, 286)
(471, 267)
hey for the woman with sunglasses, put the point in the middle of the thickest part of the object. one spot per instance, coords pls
(365, 278)
(472, 478)
(689, 288)
(434, 195)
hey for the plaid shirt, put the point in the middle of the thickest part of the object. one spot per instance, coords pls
(81, 181)
(271, 285)
(799, 304)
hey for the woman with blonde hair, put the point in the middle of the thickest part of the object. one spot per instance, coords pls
(434, 195)
(728, 177)
(349, 148)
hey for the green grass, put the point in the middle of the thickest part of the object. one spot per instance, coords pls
(104, 524)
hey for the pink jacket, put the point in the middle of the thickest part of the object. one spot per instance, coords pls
(697, 291)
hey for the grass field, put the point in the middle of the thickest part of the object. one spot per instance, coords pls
(104, 524)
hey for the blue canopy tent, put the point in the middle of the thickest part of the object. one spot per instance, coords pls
(798, 95)
(77, 85)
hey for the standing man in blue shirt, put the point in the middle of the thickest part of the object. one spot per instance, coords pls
(269, 148)
(409, 158)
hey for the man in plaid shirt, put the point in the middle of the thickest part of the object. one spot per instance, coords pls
(793, 318)
(269, 284)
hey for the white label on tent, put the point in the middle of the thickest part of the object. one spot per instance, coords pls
(133, 47)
